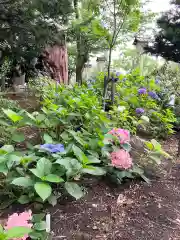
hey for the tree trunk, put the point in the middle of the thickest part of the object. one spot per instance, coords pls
(106, 81)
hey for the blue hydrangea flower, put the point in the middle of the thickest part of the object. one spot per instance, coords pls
(142, 91)
(140, 110)
(53, 148)
(153, 95)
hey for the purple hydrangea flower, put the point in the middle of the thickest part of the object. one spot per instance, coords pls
(142, 91)
(118, 74)
(153, 95)
(157, 81)
(140, 110)
(53, 148)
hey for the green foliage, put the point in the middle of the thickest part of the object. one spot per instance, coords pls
(28, 26)
(15, 232)
(5, 132)
(66, 118)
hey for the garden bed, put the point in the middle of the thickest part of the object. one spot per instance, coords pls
(135, 210)
(141, 212)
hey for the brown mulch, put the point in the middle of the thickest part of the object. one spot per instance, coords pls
(134, 211)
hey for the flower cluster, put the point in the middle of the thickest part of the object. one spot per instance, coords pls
(153, 95)
(53, 148)
(19, 220)
(140, 110)
(121, 159)
(122, 134)
(142, 91)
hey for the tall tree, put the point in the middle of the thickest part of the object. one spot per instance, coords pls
(86, 33)
(120, 18)
(167, 41)
(26, 27)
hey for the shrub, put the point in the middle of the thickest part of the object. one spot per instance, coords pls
(5, 133)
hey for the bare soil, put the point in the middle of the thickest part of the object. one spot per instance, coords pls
(133, 211)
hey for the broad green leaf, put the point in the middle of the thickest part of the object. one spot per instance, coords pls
(79, 154)
(23, 182)
(35, 235)
(7, 149)
(47, 138)
(38, 217)
(44, 166)
(97, 171)
(73, 166)
(52, 200)
(44, 190)
(149, 145)
(18, 232)
(24, 199)
(40, 226)
(76, 137)
(53, 178)
(18, 137)
(36, 173)
(156, 145)
(93, 159)
(3, 169)
(1, 228)
(39, 235)
(156, 157)
(74, 190)
(126, 147)
(12, 115)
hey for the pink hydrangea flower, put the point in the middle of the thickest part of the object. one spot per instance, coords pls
(121, 159)
(122, 134)
(19, 220)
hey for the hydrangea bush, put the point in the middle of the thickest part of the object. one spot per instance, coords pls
(120, 161)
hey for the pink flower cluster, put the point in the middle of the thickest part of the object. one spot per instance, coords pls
(121, 159)
(19, 220)
(122, 134)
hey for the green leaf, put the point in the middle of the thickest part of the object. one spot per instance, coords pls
(47, 138)
(79, 154)
(36, 173)
(44, 190)
(36, 235)
(52, 200)
(156, 145)
(73, 166)
(126, 147)
(93, 159)
(97, 171)
(3, 169)
(7, 149)
(53, 178)
(23, 182)
(44, 167)
(1, 228)
(40, 226)
(156, 157)
(24, 199)
(12, 115)
(18, 232)
(38, 217)
(74, 190)
(18, 137)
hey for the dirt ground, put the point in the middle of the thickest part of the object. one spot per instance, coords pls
(134, 211)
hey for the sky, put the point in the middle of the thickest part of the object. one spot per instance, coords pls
(159, 5)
